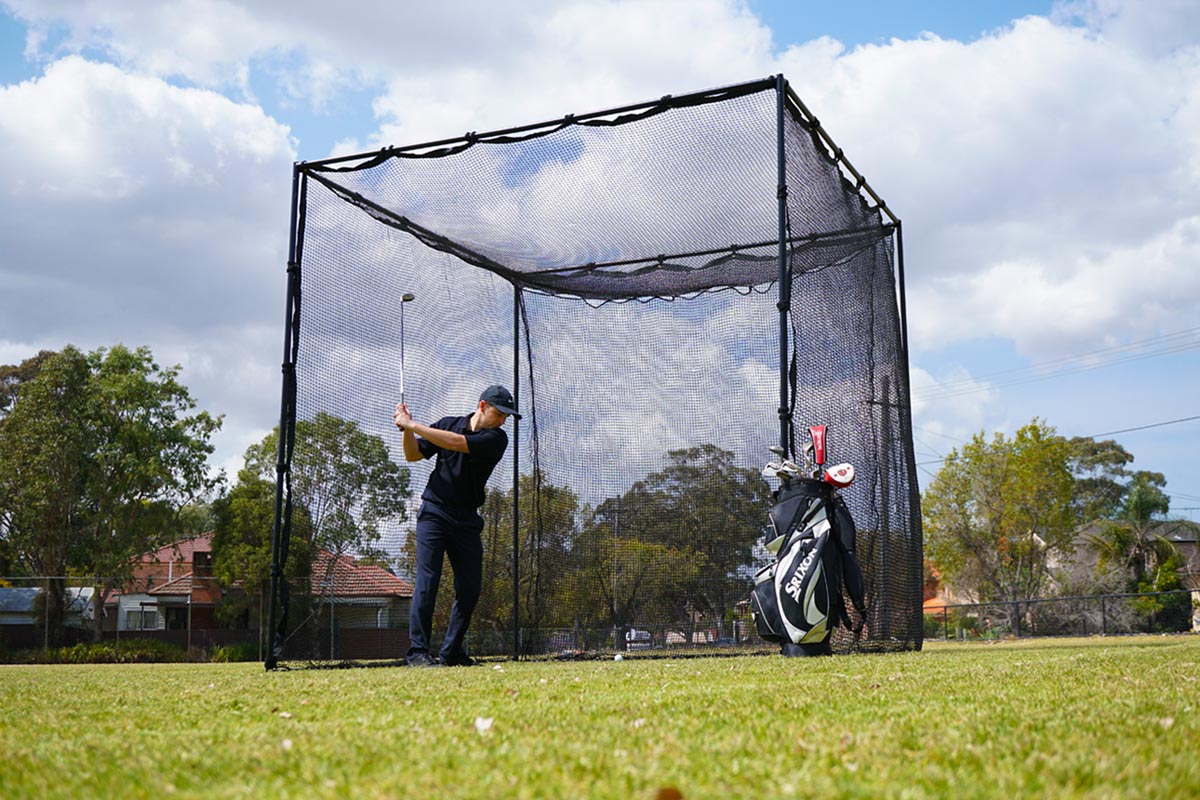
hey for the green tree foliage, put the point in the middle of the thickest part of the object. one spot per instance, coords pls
(343, 477)
(150, 459)
(97, 454)
(997, 511)
(1100, 473)
(44, 474)
(545, 535)
(676, 545)
(243, 520)
(702, 503)
(624, 581)
(1136, 547)
(12, 376)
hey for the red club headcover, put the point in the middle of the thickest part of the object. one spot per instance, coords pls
(818, 438)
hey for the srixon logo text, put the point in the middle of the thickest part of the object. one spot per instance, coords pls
(793, 585)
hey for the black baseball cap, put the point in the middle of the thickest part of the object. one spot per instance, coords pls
(501, 398)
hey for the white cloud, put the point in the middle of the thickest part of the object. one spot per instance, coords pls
(138, 212)
(1046, 173)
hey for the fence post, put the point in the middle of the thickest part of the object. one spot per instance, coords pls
(945, 623)
(46, 615)
(1103, 617)
(1017, 620)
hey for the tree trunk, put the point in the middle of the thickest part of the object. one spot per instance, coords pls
(99, 597)
(54, 612)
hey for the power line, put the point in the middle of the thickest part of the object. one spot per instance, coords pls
(1162, 345)
(1040, 365)
(1145, 427)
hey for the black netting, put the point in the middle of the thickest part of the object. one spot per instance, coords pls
(629, 264)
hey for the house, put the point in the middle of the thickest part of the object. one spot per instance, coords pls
(17, 605)
(1185, 535)
(360, 595)
(173, 589)
(19, 613)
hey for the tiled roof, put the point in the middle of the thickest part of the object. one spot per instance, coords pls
(167, 572)
(202, 590)
(181, 550)
(351, 579)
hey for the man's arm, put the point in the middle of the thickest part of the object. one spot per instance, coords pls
(447, 440)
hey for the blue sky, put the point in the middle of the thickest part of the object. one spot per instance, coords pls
(1043, 156)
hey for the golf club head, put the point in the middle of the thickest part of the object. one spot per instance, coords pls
(840, 476)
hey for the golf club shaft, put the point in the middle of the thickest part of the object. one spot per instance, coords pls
(401, 352)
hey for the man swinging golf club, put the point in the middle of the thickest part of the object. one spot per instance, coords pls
(448, 524)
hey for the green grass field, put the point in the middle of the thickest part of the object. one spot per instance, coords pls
(1039, 718)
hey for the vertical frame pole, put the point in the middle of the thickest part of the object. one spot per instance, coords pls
(903, 300)
(785, 289)
(287, 413)
(516, 467)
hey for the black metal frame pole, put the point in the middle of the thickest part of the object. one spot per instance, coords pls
(286, 409)
(785, 291)
(903, 300)
(516, 467)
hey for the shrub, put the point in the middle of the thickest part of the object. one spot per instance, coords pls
(128, 651)
(242, 651)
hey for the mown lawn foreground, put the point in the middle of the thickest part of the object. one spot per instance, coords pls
(1040, 718)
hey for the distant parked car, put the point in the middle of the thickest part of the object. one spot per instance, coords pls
(637, 640)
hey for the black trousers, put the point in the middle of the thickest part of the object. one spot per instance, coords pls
(441, 536)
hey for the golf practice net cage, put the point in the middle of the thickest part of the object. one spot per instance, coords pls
(669, 289)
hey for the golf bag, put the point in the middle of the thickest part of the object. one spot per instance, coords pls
(800, 598)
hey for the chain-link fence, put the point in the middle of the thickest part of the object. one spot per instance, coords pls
(1093, 615)
(160, 603)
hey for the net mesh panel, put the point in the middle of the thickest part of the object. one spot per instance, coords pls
(641, 252)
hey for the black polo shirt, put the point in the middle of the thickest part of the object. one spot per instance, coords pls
(459, 480)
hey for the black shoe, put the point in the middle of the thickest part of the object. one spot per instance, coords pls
(460, 660)
(423, 660)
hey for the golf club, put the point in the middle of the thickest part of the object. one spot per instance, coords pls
(404, 298)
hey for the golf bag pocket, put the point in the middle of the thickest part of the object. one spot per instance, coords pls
(764, 607)
(806, 589)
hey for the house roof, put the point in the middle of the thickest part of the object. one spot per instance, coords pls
(182, 550)
(17, 601)
(935, 605)
(202, 589)
(348, 578)
(168, 572)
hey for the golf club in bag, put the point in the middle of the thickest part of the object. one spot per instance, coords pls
(799, 598)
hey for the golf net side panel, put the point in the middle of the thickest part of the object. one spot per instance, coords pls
(358, 494)
(849, 373)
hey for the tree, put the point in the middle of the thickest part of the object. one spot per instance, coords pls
(1136, 547)
(243, 520)
(623, 580)
(998, 511)
(545, 535)
(14, 375)
(96, 455)
(150, 458)
(703, 502)
(45, 444)
(343, 477)
(1099, 470)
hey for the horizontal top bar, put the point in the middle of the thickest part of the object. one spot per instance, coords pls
(740, 88)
